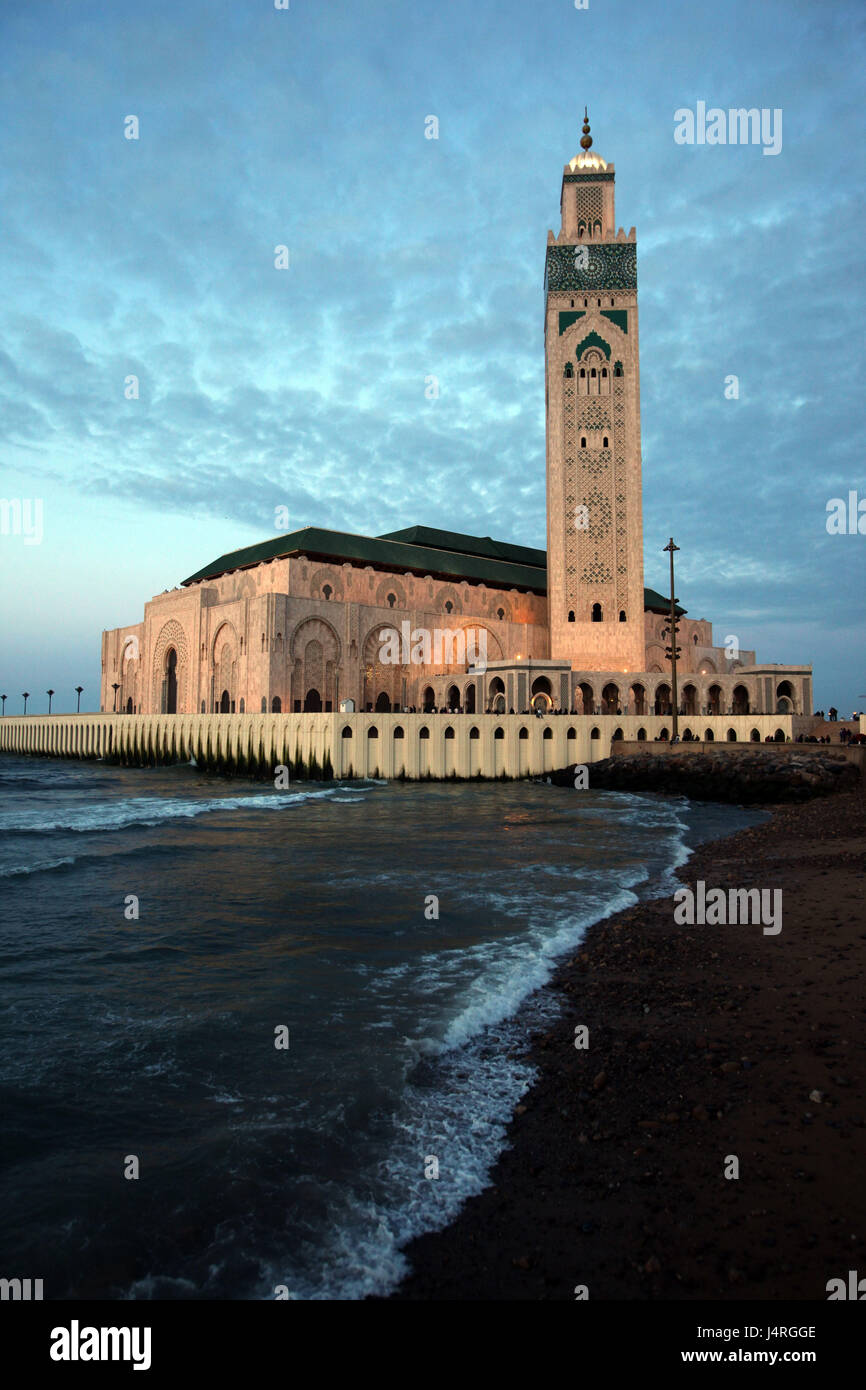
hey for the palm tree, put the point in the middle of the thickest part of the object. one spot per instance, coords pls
(26, 694)
(49, 693)
(78, 690)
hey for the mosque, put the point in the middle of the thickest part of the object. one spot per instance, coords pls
(297, 622)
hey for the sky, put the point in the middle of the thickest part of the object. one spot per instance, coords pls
(409, 258)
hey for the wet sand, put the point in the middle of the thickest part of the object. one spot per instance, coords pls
(704, 1042)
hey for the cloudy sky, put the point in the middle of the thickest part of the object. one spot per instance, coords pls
(411, 257)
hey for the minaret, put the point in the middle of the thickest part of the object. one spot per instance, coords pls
(592, 399)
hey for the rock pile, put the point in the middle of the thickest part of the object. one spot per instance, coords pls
(745, 778)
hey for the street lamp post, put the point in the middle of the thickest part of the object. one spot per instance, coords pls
(673, 651)
(115, 688)
(49, 693)
(26, 694)
(3, 698)
(78, 690)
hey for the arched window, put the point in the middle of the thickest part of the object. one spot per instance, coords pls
(596, 613)
(583, 371)
(605, 443)
(276, 705)
(473, 732)
(568, 370)
(243, 708)
(598, 224)
(695, 639)
(571, 615)
(524, 733)
(449, 607)
(372, 732)
(611, 303)
(449, 732)
(264, 704)
(347, 732)
(327, 591)
(500, 733)
(583, 441)
(604, 371)
(572, 304)
(278, 645)
(617, 370)
(202, 706)
(593, 372)
(398, 732)
(425, 733)
(622, 615)
(392, 599)
(500, 613)
(585, 303)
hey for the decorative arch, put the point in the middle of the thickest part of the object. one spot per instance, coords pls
(327, 576)
(383, 678)
(224, 665)
(171, 634)
(389, 587)
(315, 651)
(592, 340)
(445, 595)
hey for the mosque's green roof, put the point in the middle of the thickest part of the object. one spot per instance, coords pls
(499, 565)
(420, 549)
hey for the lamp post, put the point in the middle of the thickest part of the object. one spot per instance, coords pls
(78, 690)
(26, 695)
(49, 693)
(115, 688)
(3, 698)
(673, 651)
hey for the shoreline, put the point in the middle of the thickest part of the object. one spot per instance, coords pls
(705, 1042)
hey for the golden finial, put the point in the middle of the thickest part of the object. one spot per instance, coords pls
(586, 138)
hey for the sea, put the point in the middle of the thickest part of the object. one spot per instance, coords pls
(254, 1040)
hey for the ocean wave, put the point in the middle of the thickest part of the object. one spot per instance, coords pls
(153, 810)
(16, 869)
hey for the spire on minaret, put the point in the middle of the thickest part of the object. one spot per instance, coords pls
(588, 160)
(586, 138)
